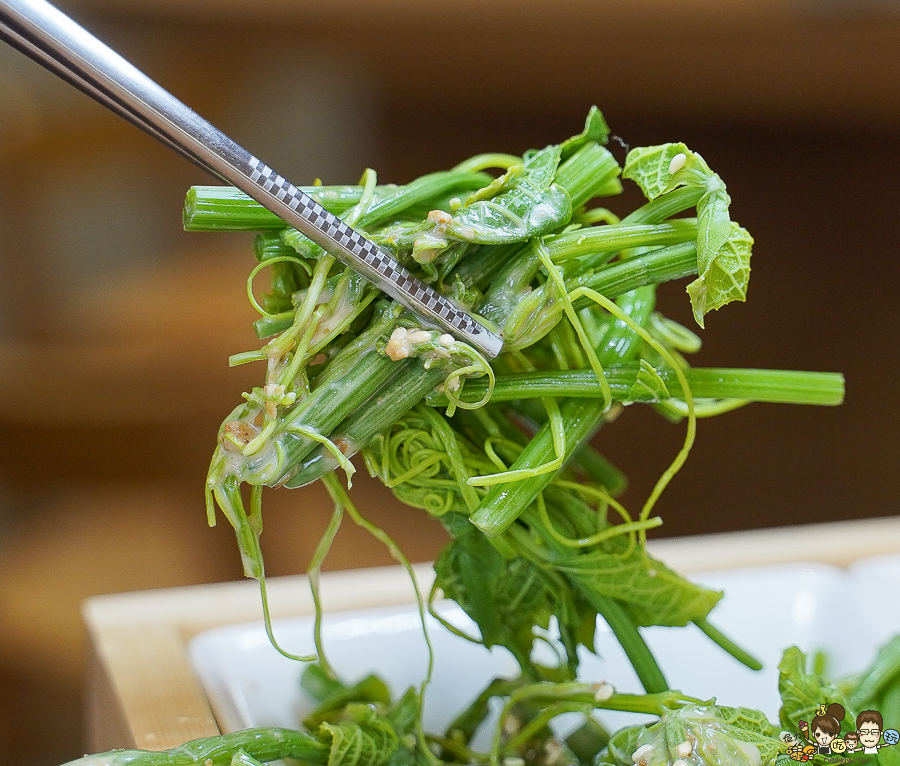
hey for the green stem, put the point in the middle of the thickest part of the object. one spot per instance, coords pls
(409, 387)
(756, 385)
(717, 637)
(613, 611)
(652, 703)
(537, 725)
(504, 503)
(586, 173)
(627, 634)
(663, 265)
(331, 403)
(512, 272)
(426, 189)
(264, 744)
(463, 727)
(224, 208)
(666, 205)
(620, 236)
(268, 245)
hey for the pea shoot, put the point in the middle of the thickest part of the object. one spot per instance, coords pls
(502, 452)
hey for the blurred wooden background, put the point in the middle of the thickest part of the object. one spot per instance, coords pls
(115, 326)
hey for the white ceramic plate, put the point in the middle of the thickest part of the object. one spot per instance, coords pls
(845, 613)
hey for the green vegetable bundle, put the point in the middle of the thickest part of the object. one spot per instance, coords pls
(500, 451)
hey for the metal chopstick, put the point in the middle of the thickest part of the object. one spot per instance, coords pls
(46, 60)
(54, 40)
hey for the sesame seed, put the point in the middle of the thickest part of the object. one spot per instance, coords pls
(677, 163)
(603, 691)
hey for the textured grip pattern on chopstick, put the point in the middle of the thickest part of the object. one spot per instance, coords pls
(354, 243)
(54, 40)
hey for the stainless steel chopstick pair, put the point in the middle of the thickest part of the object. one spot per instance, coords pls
(55, 41)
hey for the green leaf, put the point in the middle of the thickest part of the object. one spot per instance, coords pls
(521, 204)
(802, 692)
(723, 247)
(713, 222)
(509, 598)
(716, 736)
(724, 271)
(469, 570)
(754, 729)
(577, 622)
(334, 696)
(649, 167)
(595, 129)
(652, 593)
(505, 598)
(748, 720)
(318, 683)
(364, 739)
(588, 740)
(498, 185)
(621, 745)
(528, 205)
(882, 672)
(404, 717)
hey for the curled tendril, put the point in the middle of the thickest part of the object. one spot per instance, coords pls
(492, 453)
(614, 530)
(259, 267)
(426, 462)
(673, 334)
(301, 351)
(491, 160)
(342, 460)
(282, 344)
(342, 500)
(426, 468)
(677, 366)
(456, 379)
(558, 434)
(432, 597)
(572, 315)
(598, 215)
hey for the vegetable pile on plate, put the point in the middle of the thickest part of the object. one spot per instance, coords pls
(502, 452)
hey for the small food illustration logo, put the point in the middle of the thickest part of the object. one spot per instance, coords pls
(822, 736)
